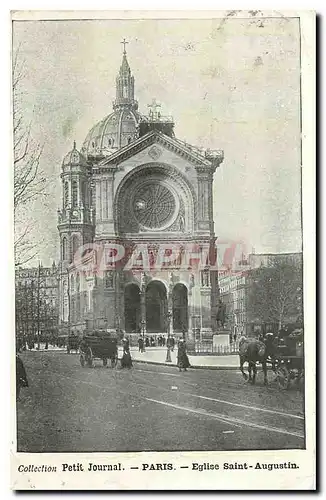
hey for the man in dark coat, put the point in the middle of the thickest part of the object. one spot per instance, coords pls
(21, 377)
(141, 344)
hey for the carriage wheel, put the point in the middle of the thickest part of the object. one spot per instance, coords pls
(283, 377)
(105, 362)
(82, 360)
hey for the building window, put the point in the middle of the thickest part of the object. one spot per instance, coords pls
(64, 249)
(75, 245)
(205, 281)
(74, 193)
(66, 194)
(91, 196)
(73, 311)
(84, 193)
(85, 305)
(78, 308)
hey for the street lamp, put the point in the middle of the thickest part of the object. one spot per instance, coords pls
(168, 351)
(143, 326)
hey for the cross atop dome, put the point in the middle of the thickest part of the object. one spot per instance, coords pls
(124, 42)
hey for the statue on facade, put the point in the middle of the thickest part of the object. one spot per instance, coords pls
(181, 224)
(220, 314)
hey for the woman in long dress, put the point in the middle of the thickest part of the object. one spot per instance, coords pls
(126, 361)
(183, 361)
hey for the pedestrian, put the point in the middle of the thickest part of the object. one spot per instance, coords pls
(126, 361)
(147, 342)
(182, 358)
(163, 341)
(125, 344)
(141, 344)
(172, 340)
(21, 377)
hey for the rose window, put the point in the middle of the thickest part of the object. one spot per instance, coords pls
(154, 205)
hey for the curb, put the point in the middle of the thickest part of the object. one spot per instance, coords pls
(196, 367)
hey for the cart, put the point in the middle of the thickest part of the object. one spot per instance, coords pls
(73, 343)
(289, 359)
(101, 346)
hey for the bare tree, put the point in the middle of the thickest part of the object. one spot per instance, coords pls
(29, 179)
(275, 294)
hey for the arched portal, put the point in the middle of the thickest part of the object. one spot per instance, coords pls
(132, 308)
(180, 308)
(156, 307)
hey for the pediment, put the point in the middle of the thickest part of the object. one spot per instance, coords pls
(156, 141)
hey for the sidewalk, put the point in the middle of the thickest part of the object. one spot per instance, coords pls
(157, 356)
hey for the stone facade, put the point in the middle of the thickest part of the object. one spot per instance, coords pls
(235, 290)
(37, 300)
(141, 200)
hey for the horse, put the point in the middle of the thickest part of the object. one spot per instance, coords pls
(252, 350)
(21, 377)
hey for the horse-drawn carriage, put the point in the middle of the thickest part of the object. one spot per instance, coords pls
(73, 343)
(289, 359)
(284, 355)
(99, 345)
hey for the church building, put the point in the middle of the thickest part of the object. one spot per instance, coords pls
(134, 195)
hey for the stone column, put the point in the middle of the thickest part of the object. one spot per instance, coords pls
(205, 295)
(143, 309)
(110, 196)
(191, 316)
(205, 200)
(98, 208)
(104, 199)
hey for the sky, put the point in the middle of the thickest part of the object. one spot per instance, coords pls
(231, 84)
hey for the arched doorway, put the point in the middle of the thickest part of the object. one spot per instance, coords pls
(180, 307)
(132, 308)
(156, 307)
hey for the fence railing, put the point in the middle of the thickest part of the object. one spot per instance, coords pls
(201, 348)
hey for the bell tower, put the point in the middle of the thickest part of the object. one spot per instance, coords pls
(75, 219)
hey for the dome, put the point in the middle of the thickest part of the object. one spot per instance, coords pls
(74, 157)
(113, 132)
